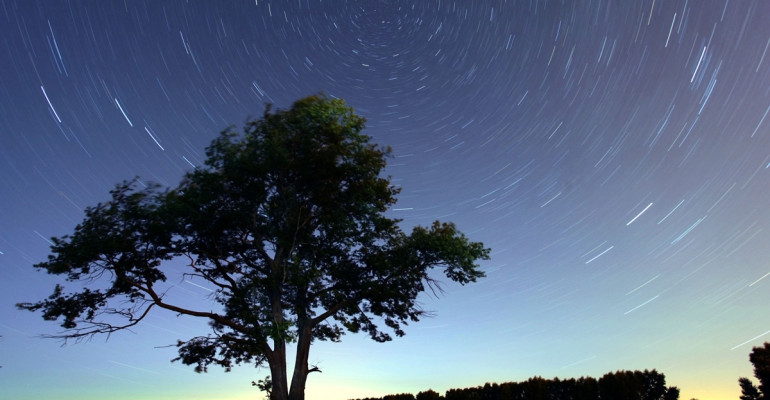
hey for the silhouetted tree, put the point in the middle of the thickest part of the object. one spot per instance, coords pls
(509, 390)
(537, 388)
(760, 357)
(429, 394)
(623, 385)
(586, 389)
(265, 385)
(748, 390)
(653, 385)
(286, 223)
(401, 396)
(672, 393)
(636, 385)
(617, 386)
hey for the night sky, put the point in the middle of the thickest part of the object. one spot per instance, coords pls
(615, 155)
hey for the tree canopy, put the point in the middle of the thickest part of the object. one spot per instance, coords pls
(760, 358)
(625, 385)
(286, 221)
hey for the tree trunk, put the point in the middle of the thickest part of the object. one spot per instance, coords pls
(299, 378)
(277, 361)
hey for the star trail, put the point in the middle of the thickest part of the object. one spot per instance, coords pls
(615, 155)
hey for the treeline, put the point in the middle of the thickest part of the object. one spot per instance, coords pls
(620, 385)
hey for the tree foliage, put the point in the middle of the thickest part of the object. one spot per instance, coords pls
(286, 221)
(760, 358)
(748, 390)
(625, 385)
(429, 394)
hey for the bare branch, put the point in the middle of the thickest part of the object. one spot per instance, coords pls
(96, 327)
(230, 285)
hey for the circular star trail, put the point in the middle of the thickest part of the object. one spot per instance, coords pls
(614, 155)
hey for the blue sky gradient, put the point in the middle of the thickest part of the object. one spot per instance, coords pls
(614, 155)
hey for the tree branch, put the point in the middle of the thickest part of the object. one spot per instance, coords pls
(96, 327)
(158, 300)
(331, 311)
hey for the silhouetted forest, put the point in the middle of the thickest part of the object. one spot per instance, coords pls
(626, 385)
